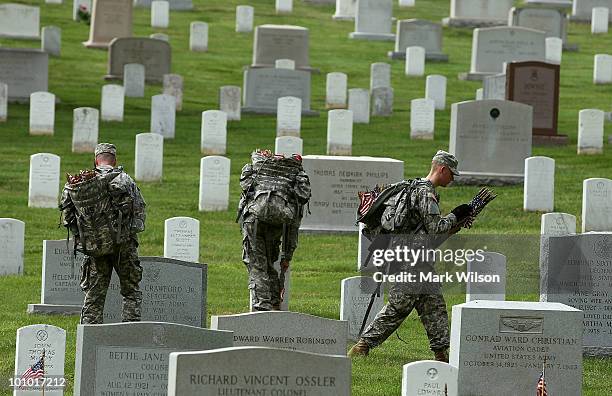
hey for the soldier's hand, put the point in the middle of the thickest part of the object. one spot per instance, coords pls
(462, 212)
(284, 264)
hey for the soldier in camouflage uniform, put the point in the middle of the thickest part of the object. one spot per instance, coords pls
(424, 218)
(96, 271)
(261, 241)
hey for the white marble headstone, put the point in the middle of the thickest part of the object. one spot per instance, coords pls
(229, 102)
(602, 71)
(44, 180)
(435, 89)
(214, 183)
(596, 205)
(182, 239)
(554, 224)
(163, 115)
(173, 85)
(599, 20)
(160, 14)
(422, 119)
(198, 38)
(539, 184)
(19, 21)
(339, 132)
(380, 75)
(113, 98)
(415, 61)
(359, 104)
(345, 10)
(3, 101)
(406, 3)
(489, 263)
(335, 91)
(134, 80)
(42, 113)
(288, 145)
(590, 131)
(85, 129)
(32, 342)
(289, 116)
(554, 50)
(284, 6)
(244, 18)
(12, 241)
(355, 295)
(373, 19)
(149, 157)
(51, 40)
(429, 377)
(214, 132)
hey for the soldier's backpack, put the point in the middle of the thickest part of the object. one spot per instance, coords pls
(105, 214)
(272, 193)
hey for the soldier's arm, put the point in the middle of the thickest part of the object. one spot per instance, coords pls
(429, 210)
(292, 241)
(246, 177)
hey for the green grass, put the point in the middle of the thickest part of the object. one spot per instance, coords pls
(321, 261)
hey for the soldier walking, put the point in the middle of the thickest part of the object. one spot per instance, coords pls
(104, 210)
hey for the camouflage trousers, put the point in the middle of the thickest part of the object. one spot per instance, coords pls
(430, 307)
(95, 279)
(260, 250)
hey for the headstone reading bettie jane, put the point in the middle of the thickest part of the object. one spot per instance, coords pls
(134, 80)
(597, 205)
(18, 21)
(51, 40)
(182, 238)
(582, 10)
(288, 145)
(214, 183)
(335, 182)
(602, 69)
(198, 36)
(422, 119)
(174, 291)
(506, 342)
(373, 20)
(85, 129)
(244, 18)
(287, 330)
(154, 55)
(12, 241)
(355, 295)
(109, 19)
(149, 157)
(42, 113)
(111, 107)
(25, 71)
(288, 372)
(43, 188)
(335, 91)
(491, 139)
(493, 264)
(289, 116)
(339, 132)
(359, 104)
(173, 85)
(429, 377)
(133, 357)
(264, 86)
(163, 115)
(274, 42)
(416, 32)
(590, 131)
(345, 10)
(478, 13)
(435, 89)
(230, 102)
(46, 343)
(539, 186)
(214, 132)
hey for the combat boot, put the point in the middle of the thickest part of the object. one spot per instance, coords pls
(441, 355)
(359, 349)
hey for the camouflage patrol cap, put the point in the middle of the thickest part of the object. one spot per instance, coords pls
(106, 148)
(448, 160)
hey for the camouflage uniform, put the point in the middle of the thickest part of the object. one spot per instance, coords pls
(424, 217)
(261, 242)
(96, 271)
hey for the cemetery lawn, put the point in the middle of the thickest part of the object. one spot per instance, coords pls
(321, 261)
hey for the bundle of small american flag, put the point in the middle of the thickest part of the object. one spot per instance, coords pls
(37, 370)
(367, 198)
(541, 388)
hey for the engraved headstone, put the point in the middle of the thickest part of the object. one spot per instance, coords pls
(477, 13)
(415, 61)
(214, 132)
(160, 14)
(25, 71)
(85, 122)
(18, 21)
(149, 157)
(602, 69)
(552, 21)
(491, 139)
(429, 377)
(3, 101)
(380, 75)
(287, 330)
(294, 372)
(435, 89)
(244, 18)
(133, 357)
(113, 98)
(198, 36)
(44, 180)
(335, 91)
(419, 33)
(284, 6)
(359, 104)
(373, 20)
(289, 116)
(134, 80)
(382, 101)
(42, 113)
(264, 86)
(600, 20)
(355, 295)
(345, 10)
(214, 183)
(173, 85)
(339, 132)
(507, 342)
(274, 42)
(554, 50)
(539, 184)
(32, 342)
(422, 119)
(109, 19)
(163, 115)
(182, 239)
(590, 131)
(492, 264)
(174, 291)
(335, 182)
(154, 55)
(596, 205)
(288, 145)
(12, 241)
(51, 41)
(229, 102)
